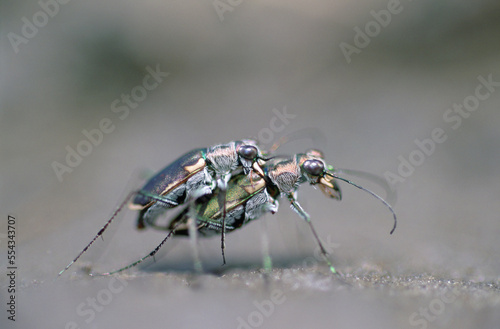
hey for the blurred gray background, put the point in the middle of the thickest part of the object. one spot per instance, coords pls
(231, 66)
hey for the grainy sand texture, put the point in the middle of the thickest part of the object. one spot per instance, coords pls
(97, 95)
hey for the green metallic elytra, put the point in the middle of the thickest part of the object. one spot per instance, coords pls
(247, 198)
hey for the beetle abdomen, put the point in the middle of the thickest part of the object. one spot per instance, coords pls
(171, 177)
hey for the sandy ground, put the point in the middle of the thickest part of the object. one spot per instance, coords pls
(227, 79)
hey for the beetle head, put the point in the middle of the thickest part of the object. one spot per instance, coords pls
(249, 156)
(315, 171)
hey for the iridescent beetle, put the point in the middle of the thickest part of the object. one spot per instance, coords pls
(191, 176)
(249, 197)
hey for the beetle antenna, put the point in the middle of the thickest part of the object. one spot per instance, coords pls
(390, 192)
(372, 193)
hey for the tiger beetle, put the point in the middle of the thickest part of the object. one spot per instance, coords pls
(248, 197)
(288, 174)
(196, 173)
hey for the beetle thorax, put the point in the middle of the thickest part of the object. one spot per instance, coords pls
(223, 158)
(286, 176)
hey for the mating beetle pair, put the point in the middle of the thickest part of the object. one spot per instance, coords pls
(193, 175)
(225, 187)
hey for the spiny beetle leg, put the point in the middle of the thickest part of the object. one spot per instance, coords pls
(222, 198)
(101, 231)
(151, 254)
(301, 212)
(106, 225)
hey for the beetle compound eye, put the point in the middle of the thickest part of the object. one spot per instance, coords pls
(314, 167)
(248, 152)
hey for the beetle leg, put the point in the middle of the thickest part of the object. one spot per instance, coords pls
(193, 237)
(223, 181)
(151, 254)
(209, 180)
(251, 179)
(271, 205)
(223, 234)
(266, 257)
(204, 190)
(222, 184)
(301, 212)
(222, 198)
(101, 231)
(147, 216)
